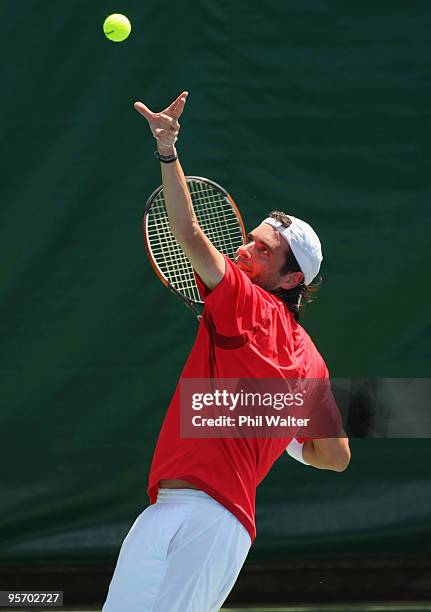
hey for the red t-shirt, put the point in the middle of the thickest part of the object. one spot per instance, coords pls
(246, 332)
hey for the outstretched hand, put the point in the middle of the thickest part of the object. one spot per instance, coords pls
(164, 126)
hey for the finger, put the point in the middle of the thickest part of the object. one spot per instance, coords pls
(171, 106)
(177, 107)
(144, 110)
(178, 111)
(180, 102)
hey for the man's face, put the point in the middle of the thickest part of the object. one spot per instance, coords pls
(263, 256)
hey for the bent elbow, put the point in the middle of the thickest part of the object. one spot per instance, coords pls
(342, 462)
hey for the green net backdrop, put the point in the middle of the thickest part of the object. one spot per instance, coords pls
(317, 108)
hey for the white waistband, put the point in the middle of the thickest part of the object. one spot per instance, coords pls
(175, 495)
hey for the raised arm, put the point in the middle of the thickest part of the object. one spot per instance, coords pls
(208, 262)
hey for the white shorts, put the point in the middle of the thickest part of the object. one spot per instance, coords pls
(182, 554)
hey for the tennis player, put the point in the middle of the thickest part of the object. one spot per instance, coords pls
(185, 551)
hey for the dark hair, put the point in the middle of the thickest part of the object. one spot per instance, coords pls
(297, 297)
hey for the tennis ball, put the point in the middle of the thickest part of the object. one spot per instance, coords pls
(117, 27)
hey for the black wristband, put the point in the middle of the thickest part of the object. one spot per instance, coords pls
(165, 159)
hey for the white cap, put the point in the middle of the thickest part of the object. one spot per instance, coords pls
(304, 243)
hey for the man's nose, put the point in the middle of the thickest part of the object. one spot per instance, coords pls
(244, 251)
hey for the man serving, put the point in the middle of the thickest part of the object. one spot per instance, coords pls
(185, 551)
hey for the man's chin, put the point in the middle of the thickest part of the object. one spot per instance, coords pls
(255, 280)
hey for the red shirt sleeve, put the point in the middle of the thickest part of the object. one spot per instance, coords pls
(236, 305)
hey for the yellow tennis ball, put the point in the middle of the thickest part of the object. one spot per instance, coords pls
(117, 27)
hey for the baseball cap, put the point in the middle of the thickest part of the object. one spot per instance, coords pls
(304, 243)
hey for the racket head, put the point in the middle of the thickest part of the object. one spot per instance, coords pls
(219, 218)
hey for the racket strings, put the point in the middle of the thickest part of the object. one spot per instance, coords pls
(159, 231)
(218, 220)
(176, 268)
(216, 217)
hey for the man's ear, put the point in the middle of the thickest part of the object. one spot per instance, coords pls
(291, 280)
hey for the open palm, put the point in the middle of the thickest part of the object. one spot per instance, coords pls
(164, 125)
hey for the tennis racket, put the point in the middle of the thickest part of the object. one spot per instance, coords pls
(218, 217)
